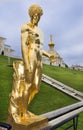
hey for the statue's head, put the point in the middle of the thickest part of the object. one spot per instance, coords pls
(35, 12)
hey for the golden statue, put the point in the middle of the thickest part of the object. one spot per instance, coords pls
(28, 72)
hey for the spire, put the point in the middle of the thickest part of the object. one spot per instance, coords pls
(50, 38)
(51, 42)
(51, 47)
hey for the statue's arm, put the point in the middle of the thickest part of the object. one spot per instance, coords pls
(51, 56)
(45, 53)
(24, 42)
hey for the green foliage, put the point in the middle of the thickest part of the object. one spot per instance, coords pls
(48, 98)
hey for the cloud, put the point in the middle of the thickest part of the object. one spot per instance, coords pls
(62, 18)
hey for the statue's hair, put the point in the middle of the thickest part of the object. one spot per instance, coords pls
(35, 9)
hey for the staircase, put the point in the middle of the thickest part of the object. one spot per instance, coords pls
(62, 87)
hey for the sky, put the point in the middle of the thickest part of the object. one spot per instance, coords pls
(63, 19)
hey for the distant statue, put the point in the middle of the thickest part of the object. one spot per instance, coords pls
(28, 72)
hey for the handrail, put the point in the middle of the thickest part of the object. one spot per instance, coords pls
(62, 87)
(59, 112)
(61, 116)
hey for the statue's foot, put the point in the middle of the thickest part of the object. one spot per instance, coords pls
(16, 117)
(31, 114)
(28, 115)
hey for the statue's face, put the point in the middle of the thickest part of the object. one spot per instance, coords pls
(35, 19)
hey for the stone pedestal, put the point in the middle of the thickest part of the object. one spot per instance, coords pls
(33, 123)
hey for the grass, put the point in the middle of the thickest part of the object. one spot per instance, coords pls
(48, 98)
(67, 76)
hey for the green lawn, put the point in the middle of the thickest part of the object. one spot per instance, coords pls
(67, 76)
(48, 98)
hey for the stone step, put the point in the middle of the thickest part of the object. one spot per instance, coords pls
(62, 87)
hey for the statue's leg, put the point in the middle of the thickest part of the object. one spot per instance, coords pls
(39, 74)
(29, 78)
(37, 80)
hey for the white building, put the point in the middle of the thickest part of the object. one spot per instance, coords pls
(77, 67)
(58, 61)
(5, 49)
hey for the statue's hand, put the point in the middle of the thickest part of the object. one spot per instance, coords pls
(52, 58)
